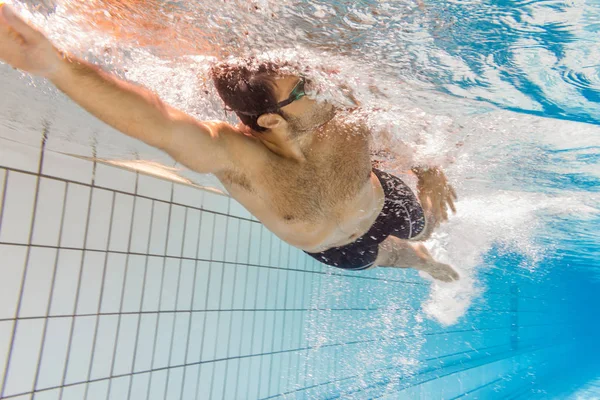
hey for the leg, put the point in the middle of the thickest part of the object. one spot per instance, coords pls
(399, 253)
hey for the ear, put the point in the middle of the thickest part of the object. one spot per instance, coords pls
(270, 121)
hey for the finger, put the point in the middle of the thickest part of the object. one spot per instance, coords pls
(452, 192)
(10, 17)
(444, 213)
(450, 202)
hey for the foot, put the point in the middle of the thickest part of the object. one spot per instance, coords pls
(441, 272)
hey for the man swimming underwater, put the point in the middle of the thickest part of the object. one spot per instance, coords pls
(304, 172)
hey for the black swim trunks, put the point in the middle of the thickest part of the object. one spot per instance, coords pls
(401, 216)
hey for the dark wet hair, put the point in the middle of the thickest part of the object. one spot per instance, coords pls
(248, 89)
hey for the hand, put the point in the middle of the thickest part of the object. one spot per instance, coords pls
(24, 47)
(435, 194)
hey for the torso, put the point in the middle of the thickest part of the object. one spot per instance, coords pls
(328, 200)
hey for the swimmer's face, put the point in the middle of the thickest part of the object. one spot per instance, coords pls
(304, 114)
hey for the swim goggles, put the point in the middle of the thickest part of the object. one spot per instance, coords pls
(297, 93)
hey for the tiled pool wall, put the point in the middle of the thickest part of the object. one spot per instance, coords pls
(117, 285)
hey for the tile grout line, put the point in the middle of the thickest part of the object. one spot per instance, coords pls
(208, 279)
(3, 197)
(101, 297)
(52, 287)
(143, 296)
(36, 200)
(160, 296)
(78, 291)
(125, 272)
(192, 301)
(234, 280)
(170, 361)
(219, 313)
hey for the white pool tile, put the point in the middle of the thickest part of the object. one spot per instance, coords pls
(214, 286)
(248, 321)
(49, 212)
(134, 283)
(205, 241)
(91, 282)
(53, 394)
(170, 284)
(24, 358)
(140, 385)
(177, 225)
(160, 223)
(145, 343)
(205, 381)
(254, 377)
(76, 214)
(142, 218)
(231, 241)
(210, 336)
(190, 380)
(67, 167)
(236, 333)
(219, 238)
(113, 283)
(114, 178)
(215, 202)
(6, 331)
(255, 248)
(223, 332)
(98, 390)
(240, 287)
(65, 285)
(265, 247)
(2, 184)
(187, 195)
(201, 285)
(258, 332)
(230, 378)
(80, 354)
(251, 295)
(152, 284)
(20, 156)
(275, 252)
(238, 210)
(174, 384)
(38, 282)
(119, 387)
(154, 188)
(11, 275)
(267, 340)
(262, 288)
(227, 285)
(158, 385)
(104, 348)
(99, 219)
(218, 380)
(164, 334)
(192, 230)
(123, 362)
(242, 380)
(196, 333)
(243, 248)
(180, 339)
(76, 392)
(121, 223)
(186, 285)
(19, 202)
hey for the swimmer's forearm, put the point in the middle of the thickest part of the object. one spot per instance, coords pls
(131, 109)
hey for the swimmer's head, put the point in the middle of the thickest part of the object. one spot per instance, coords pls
(265, 97)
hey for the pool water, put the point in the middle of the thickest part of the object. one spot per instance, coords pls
(125, 276)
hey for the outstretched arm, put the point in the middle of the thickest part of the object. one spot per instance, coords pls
(133, 110)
